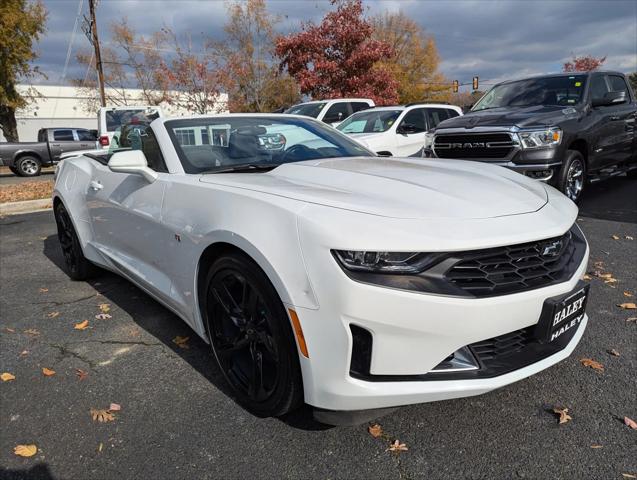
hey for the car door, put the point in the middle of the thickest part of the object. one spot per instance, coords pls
(613, 126)
(87, 140)
(623, 119)
(125, 213)
(61, 140)
(410, 133)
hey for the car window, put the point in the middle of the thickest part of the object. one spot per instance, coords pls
(42, 135)
(358, 106)
(306, 109)
(86, 136)
(618, 84)
(337, 112)
(370, 121)
(599, 88)
(117, 118)
(415, 119)
(263, 140)
(452, 113)
(63, 135)
(139, 137)
(436, 115)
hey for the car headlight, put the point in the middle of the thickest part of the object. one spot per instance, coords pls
(385, 262)
(540, 138)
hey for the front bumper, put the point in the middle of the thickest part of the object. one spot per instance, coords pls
(412, 333)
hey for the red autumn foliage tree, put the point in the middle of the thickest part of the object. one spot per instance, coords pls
(338, 58)
(585, 63)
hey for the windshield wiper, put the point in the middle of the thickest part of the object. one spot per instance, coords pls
(244, 167)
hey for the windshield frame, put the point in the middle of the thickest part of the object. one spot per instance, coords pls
(585, 78)
(308, 123)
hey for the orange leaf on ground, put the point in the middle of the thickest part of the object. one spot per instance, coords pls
(614, 237)
(628, 475)
(81, 373)
(630, 422)
(81, 326)
(628, 294)
(597, 446)
(26, 191)
(7, 377)
(101, 415)
(375, 430)
(563, 414)
(32, 331)
(115, 407)
(23, 353)
(44, 290)
(53, 314)
(631, 319)
(48, 372)
(613, 352)
(104, 307)
(25, 450)
(627, 306)
(588, 362)
(181, 342)
(397, 447)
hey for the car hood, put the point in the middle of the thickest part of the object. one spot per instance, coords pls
(522, 117)
(398, 188)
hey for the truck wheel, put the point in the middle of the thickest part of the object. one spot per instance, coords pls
(572, 177)
(14, 170)
(28, 166)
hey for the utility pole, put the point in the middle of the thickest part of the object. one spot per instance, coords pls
(96, 44)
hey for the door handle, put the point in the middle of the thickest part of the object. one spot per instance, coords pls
(615, 118)
(96, 185)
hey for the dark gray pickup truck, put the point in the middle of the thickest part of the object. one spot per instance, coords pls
(27, 158)
(563, 129)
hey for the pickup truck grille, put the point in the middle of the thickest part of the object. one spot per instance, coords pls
(473, 145)
(517, 268)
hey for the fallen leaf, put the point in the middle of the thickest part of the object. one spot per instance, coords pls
(610, 280)
(48, 372)
(563, 413)
(631, 319)
(587, 277)
(81, 326)
(32, 331)
(628, 294)
(25, 450)
(44, 290)
(597, 446)
(181, 342)
(628, 475)
(397, 447)
(101, 415)
(104, 307)
(613, 352)
(6, 377)
(605, 275)
(628, 237)
(115, 407)
(81, 373)
(631, 423)
(24, 353)
(614, 237)
(375, 430)
(588, 362)
(53, 314)
(99, 449)
(9, 330)
(627, 306)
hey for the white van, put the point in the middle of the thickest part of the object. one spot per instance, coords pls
(109, 119)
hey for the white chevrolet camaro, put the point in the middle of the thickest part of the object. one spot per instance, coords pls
(322, 273)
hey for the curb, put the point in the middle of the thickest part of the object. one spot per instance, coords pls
(27, 206)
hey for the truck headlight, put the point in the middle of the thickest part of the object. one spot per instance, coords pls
(540, 138)
(385, 262)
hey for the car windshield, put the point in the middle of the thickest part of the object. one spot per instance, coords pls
(565, 90)
(116, 118)
(306, 109)
(222, 144)
(369, 121)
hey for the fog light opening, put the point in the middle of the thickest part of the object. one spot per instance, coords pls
(542, 175)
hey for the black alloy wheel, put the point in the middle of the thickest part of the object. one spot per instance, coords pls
(251, 338)
(79, 268)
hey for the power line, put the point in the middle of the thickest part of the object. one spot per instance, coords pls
(68, 51)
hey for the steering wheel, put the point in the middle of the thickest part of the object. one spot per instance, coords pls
(298, 152)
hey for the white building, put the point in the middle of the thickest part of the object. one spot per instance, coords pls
(65, 106)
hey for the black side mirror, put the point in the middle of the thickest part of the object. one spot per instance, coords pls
(610, 98)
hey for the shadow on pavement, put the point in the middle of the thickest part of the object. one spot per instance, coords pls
(165, 326)
(40, 471)
(614, 199)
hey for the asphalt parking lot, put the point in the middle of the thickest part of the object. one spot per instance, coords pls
(177, 419)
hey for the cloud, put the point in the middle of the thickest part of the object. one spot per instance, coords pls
(491, 39)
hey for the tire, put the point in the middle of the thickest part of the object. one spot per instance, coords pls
(14, 170)
(251, 337)
(572, 176)
(28, 166)
(77, 266)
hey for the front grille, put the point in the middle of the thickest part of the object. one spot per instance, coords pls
(512, 269)
(474, 145)
(497, 347)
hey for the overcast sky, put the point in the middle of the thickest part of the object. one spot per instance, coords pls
(494, 39)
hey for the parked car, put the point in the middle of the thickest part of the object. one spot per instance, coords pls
(563, 129)
(397, 131)
(109, 119)
(319, 273)
(331, 111)
(27, 158)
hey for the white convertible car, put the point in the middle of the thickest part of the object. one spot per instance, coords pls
(322, 273)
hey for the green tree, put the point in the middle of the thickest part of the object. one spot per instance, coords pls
(21, 25)
(632, 79)
(414, 63)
